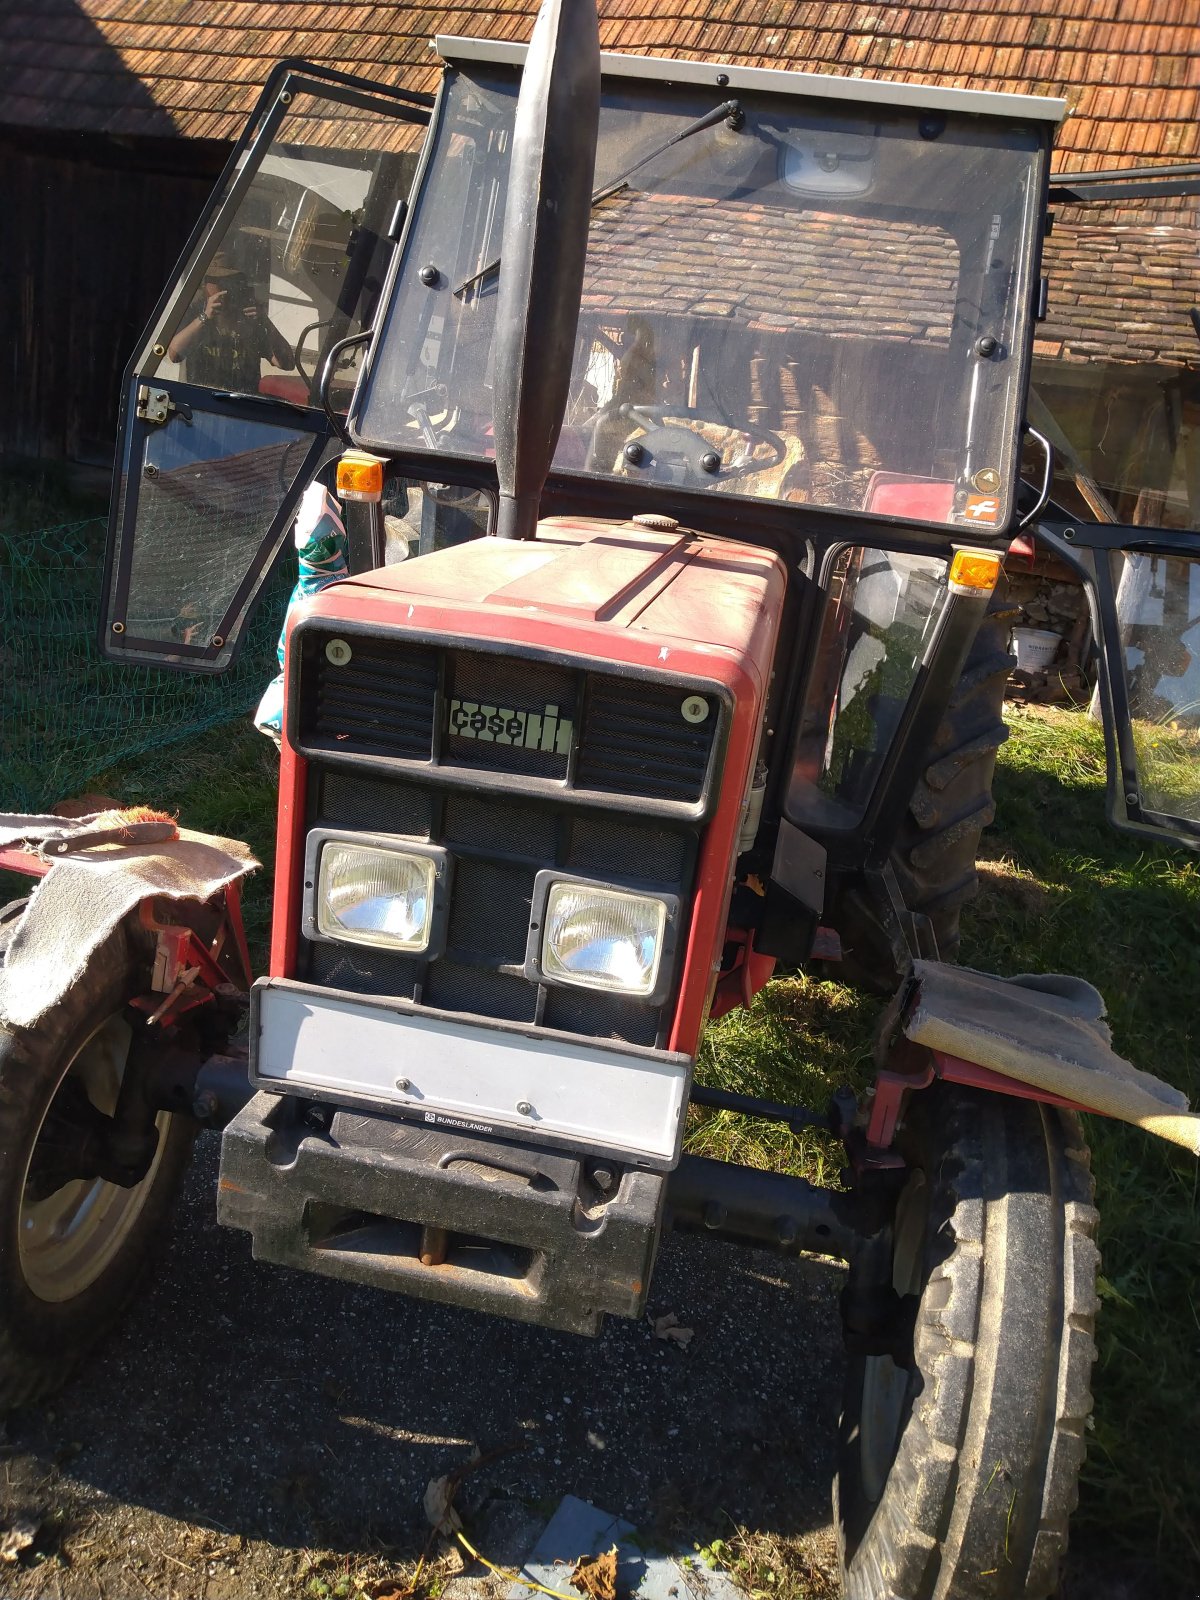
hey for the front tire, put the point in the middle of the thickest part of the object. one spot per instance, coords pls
(958, 1468)
(71, 1259)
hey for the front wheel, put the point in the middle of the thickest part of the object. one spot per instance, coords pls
(73, 1250)
(960, 1454)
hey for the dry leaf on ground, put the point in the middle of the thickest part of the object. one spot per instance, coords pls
(17, 1538)
(668, 1327)
(596, 1576)
(439, 1507)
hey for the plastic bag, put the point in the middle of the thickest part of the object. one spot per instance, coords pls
(321, 542)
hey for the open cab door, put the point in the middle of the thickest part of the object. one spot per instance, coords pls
(1116, 390)
(228, 409)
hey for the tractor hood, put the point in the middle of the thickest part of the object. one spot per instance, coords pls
(579, 581)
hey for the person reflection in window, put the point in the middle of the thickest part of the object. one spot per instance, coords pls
(228, 334)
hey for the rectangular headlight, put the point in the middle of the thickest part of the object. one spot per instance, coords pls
(367, 892)
(597, 937)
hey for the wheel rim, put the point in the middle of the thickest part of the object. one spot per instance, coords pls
(885, 1385)
(69, 1238)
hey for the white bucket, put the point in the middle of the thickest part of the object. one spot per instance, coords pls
(1036, 648)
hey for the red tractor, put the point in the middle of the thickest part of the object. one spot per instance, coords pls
(680, 413)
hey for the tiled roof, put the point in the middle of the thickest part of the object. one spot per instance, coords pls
(1129, 68)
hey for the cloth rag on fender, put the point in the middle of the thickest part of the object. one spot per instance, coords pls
(1047, 1030)
(91, 888)
(321, 542)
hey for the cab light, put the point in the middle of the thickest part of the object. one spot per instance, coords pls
(603, 938)
(378, 897)
(974, 571)
(360, 476)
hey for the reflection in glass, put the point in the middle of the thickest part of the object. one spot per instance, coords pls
(881, 615)
(1115, 380)
(788, 308)
(1158, 611)
(299, 262)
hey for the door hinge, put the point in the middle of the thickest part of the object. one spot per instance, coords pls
(156, 405)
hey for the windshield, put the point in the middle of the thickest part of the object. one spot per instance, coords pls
(788, 302)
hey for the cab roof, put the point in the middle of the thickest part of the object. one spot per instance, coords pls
(766, 80)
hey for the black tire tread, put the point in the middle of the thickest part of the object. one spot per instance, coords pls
(935, 849)
(39, 1350)
(938, 1532)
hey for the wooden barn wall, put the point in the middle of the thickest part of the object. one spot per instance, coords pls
(90, 234)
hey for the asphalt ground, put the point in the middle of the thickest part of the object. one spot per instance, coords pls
(253, 1431)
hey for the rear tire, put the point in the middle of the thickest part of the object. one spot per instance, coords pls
(958, 1472)
(937, 843)
(71, 1261)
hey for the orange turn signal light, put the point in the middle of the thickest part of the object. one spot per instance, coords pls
(360, 476)
(974, 571)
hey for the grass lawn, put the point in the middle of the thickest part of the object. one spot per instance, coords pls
(1062, 892)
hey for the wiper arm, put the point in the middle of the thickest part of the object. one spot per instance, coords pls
(729, 112)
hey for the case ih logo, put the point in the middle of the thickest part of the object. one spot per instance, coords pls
(527, 730)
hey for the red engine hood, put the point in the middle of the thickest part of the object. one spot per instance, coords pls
(672, 588)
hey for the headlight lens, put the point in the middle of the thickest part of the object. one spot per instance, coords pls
(603, 938)
(378, 897)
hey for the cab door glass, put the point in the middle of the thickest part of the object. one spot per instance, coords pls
(223, 425)
(1158, 618)
(296, 259)
(1116, 368)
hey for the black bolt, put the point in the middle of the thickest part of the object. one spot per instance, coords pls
(429, 276)
(710, 461)
(714, 1214)
(150, 470)
(318, 1117)
(635, 454)
(722, 80)
(786, 1230)
(985, 346)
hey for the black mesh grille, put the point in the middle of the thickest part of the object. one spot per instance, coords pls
(601, 1016)
(486, 822)
(602, 845)
(381, 701)
(374, 805)
(636, 740)
(361, 970)
(490, 910)
(486, 993)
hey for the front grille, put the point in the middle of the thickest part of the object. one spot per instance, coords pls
(636, 740)
(381, 701)
(499, 842)
(532, 722)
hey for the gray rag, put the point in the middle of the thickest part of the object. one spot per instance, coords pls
(1047, 1030)
(85, 896)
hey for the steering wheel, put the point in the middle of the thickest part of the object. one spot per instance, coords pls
(684, 452)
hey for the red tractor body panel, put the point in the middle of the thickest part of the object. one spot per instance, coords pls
(655, 600)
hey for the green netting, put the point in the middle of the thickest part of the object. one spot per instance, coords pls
(67, 715)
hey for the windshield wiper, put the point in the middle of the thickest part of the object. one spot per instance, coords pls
(729, 111)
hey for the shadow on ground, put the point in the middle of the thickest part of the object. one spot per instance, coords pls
(289, 1409)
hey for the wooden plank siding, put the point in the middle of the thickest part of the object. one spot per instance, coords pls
(88, 245)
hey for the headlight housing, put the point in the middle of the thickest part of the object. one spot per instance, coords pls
(591, 935)
(367, 889)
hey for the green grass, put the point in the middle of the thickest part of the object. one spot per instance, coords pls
(1062, 892)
